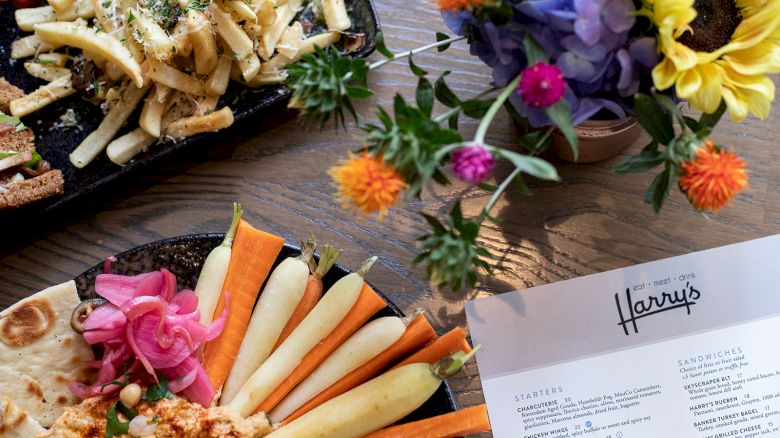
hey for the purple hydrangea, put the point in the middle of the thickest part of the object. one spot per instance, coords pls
(588, 40)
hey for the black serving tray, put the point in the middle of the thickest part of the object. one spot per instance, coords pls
(184, 257)
(56, 144)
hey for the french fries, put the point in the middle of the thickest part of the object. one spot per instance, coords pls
(124, 148)
(185, 51)
(116, 117)
(336, 17)
(233, 35)
(204, 45)
(28, 46)
(51, 92)
(167, 75)
(159, 44)
(100, 43)
(189, 126)
(27, 18)
(45, 72)
(218, 79)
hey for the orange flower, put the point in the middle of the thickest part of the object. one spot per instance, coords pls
(457, 5)
(713, 178)
(368, 183)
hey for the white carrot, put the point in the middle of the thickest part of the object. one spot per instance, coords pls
(325, 316)
(375, 404)
(276, 304)
(372, 339)
(214, 270)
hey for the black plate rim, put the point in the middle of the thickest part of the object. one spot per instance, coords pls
(453, 406)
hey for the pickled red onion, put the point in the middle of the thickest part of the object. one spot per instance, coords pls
(145, 330)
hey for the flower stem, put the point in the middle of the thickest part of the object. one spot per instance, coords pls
(446, 115)
(504, 184)
(491, 114)
(402, 55)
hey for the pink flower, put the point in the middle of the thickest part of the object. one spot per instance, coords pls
(472, 164)
(541, 85)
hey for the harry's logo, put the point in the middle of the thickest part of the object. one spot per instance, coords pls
(653, 305)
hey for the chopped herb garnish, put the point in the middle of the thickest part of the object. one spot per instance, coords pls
(99, 28)
(130, 17)
(197, 5)
(106, 4)
(114, 426)
(45, 61)
(158, 391)
(155, 419)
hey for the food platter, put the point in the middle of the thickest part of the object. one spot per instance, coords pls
(56, 143)
(184, 257)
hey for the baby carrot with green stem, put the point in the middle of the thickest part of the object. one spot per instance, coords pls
(277, 302)
(253, 256)
(310, 333)
(377, 403)
(313, 291)
(459, 423)
(215, 269)
(418, 333)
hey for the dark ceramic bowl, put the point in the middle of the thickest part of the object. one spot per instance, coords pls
(55, 144)
(185, 255)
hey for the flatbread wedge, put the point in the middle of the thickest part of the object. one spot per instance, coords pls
(40, 354)
(15, 423)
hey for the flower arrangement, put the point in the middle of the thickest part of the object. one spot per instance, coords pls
(556, 63)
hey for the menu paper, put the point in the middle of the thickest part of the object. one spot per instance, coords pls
(683, 347)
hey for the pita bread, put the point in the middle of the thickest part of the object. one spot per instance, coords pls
(15, 423)
(40, 353)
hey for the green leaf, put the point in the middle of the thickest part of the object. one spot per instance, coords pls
(158, 391)
(531, 165)
(476, 108)
(381, 47)
(531, 142)
(7, 120)
(708, 121)
(441, 37)
(453, 121)
(36, 157)
(656, 121)
(444, 94)
(127, 412)
(533, 51)
(521, 187)
(560, 114)
(425, 96)
(417, 71)
(487, 187)
(692, 123)
(659, 189)
(359, 92)
(646, 160)
(115, 427)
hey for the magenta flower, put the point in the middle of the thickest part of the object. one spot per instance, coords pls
(472, 164)
(541, 85)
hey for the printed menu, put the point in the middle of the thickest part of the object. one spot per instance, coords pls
(683, 347)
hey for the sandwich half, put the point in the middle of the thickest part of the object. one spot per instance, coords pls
(24, 176)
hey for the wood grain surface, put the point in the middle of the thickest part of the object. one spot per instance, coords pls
(590, 222)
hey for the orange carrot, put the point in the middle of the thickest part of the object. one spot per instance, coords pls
(312, 294)
(459, 423)
(452, 342)
(367, 304)
(418, 333)
(254, 253)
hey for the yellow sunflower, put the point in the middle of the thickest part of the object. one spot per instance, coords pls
(719, 49)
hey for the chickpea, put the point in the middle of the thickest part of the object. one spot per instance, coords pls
(130, 395)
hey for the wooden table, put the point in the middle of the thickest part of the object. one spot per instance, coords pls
(592, 221)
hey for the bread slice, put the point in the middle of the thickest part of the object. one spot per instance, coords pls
(18, 141)
(30, 190)
(8, 92)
